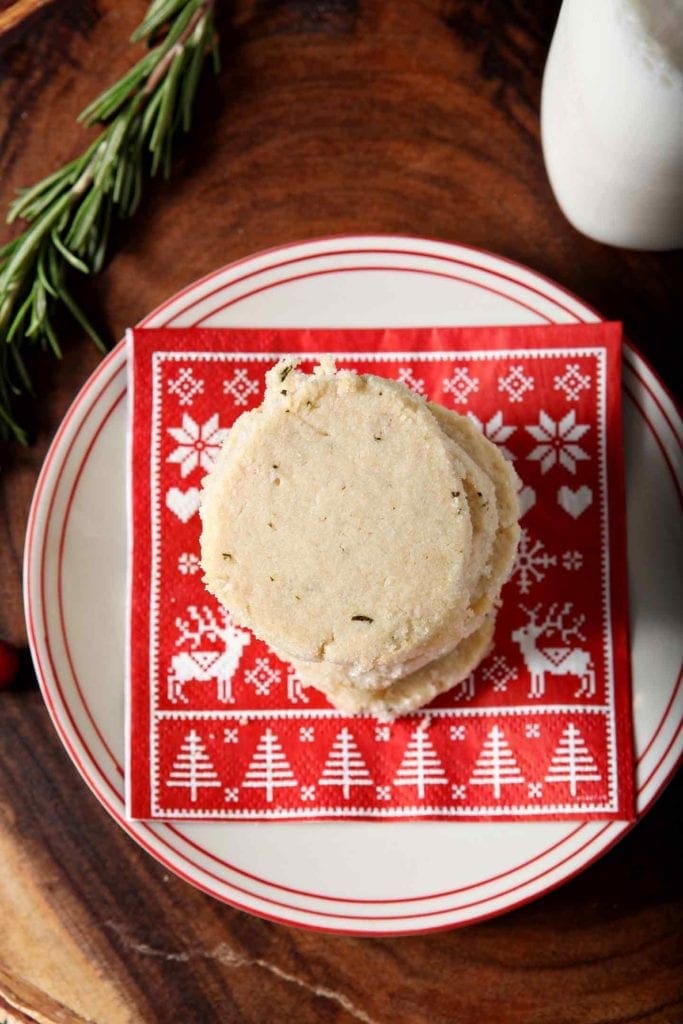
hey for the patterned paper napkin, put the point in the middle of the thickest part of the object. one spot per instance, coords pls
(219, 727)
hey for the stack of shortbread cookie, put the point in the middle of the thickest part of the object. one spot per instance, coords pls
(363, 533)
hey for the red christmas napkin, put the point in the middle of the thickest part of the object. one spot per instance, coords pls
(219, 727)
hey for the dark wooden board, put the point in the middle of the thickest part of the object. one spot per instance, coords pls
(330, 116)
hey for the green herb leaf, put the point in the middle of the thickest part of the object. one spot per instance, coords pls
(69, 213)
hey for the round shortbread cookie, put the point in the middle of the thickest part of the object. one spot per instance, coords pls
(488, 456)
(506, 486)
(333, 676)
(501, 552)
(479, 495)
(412, 691)
(506, 483)
(335, 522)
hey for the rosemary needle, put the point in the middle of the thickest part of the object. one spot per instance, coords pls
(69, 213)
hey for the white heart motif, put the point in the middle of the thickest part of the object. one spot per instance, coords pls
(183, 504)
(575, 502)
(527, 500)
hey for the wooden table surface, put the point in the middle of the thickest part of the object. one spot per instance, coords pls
(330, 116)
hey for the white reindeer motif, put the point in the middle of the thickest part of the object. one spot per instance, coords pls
(556, 661)
(206, 665)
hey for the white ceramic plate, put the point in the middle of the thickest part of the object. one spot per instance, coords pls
(357, 877)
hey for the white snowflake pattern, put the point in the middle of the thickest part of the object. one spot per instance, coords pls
(306, 734)
(516, 383)
(557, 441)
(496, 431)
(457, 732)
(231, 735)
(383, 792)
(572, 560)
(406, 376)
(572, 382)
(262, 676)
(307, 792)
(188, 564)
(532, 730)
(240, 386)
(382, 733)
(531, 562)
(185, 386)
(458, 792)
(536, 790)
(232, 795)
(197, 445)
(498, 672)
(460, 385)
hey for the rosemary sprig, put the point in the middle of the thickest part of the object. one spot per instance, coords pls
(70, 212)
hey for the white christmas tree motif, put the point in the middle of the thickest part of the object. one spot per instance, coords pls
(499, 672)
(531, 562)
(240, 386)
(345, 766)
(516, 383)
(269, 768)
(496, 765)
(460, 384)
(496, 431)
(557, 441)
(262, 676)
(572, 382)
(197, 445)
(421, 766)
(192, 768)
(185, 386)
(572, 761)
(416, 384)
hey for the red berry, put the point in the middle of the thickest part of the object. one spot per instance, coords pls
(9, 664)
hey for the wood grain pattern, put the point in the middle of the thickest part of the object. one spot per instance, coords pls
(15, 13)
(330, 116)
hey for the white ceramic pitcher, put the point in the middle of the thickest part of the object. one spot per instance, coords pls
(612, 120)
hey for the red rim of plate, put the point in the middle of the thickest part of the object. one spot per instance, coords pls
(135, 828)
